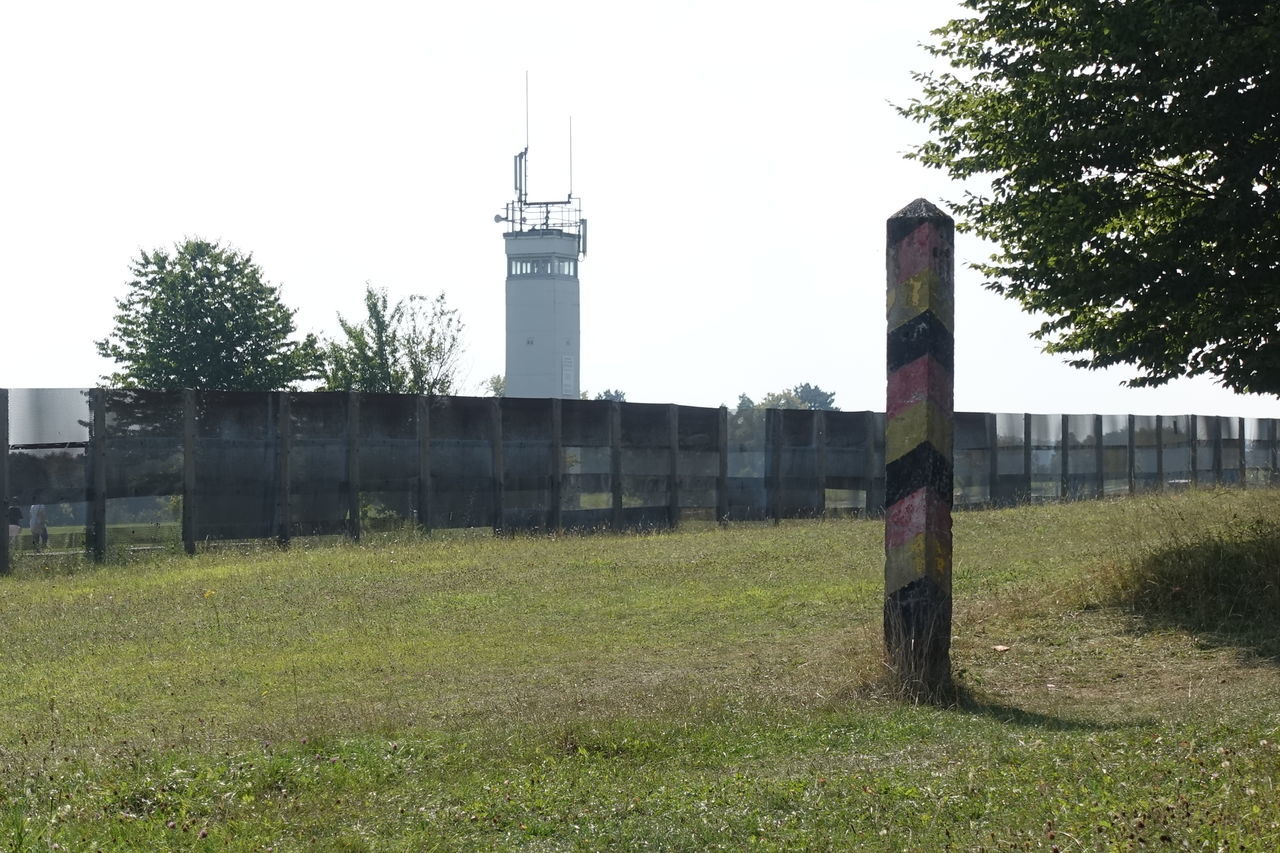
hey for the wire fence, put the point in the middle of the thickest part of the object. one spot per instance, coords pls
(127, 468)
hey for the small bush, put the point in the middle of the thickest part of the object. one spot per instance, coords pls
(1222, 581)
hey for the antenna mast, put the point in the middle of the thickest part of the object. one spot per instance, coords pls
(525, 216)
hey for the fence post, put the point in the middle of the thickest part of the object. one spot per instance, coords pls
(283, 441)
(189, 470)
(1099, 457)
(722, 472)
(1130, 452)
(422, 426)
(1064, 489)
(1160, 453)
(6, 559)
(773, 463)
(673, 471)
(1026, 453)
(874, 469)
(1275, 452)
(1244, 467)
(1193, 438)
(97, 492)
(919, 428)
(555, 516)
(353, 465)
(820, 459)
(499, 466)
(615, 464)
(1215, 434)
(993, 460)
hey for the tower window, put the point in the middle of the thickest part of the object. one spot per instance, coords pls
(541, 266)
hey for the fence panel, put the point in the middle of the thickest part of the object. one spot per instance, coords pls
(1179, 448)
(1115, 454)
(1013, 478)
(747, 497)
(1259, 446)
(646, 465)
(319, 485)
(388, 466)
(850, 480)
(801, 489)
(1046, 456)
(1082, 473)
(1146, 453)
(462, 462)
(972, 467)
(235, 465)
(587, 491)
(143, 459)
(1204, 454)
(699, 463)
(1231, 451)
(527, 447)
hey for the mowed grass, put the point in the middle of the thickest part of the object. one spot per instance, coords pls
(706, 689)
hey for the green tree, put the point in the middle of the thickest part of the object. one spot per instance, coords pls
(1131, 150)
(410, 347)
(613, 395)
(804, 396)
(495, 386)
(203, 317)
(746, 420)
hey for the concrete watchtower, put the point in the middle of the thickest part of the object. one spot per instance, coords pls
(545, 241)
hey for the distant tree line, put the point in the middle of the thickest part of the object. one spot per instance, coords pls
(203, 316)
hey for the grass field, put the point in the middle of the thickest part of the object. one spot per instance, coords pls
(706, 689)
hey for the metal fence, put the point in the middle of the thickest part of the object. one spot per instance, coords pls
(147, 468)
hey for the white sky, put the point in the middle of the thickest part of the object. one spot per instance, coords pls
(736, 161)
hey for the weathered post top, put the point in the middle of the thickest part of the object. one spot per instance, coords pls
(918, 447)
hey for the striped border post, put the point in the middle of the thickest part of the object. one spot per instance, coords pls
(919, 420)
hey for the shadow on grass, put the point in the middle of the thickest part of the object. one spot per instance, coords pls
(961, 699)
(969, 703)
(1223, 587)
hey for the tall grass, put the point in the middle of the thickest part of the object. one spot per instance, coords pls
(1218, 578)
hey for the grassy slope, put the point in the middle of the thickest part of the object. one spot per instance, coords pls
(703, 689)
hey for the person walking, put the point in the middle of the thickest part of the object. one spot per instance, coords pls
(38, 517)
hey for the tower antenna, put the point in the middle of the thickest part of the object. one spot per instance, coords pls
(526, 109)
(570, 156)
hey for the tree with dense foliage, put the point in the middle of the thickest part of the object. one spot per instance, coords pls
(410, 347)
(746, 420)
(804, 396)
(613, 395)
(495, 386)
(203, 317)
(1133, 154)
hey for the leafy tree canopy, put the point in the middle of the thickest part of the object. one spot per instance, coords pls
(612, 394)
(411, 347)
(804, 396)
(203, 317)
(1133, 152)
